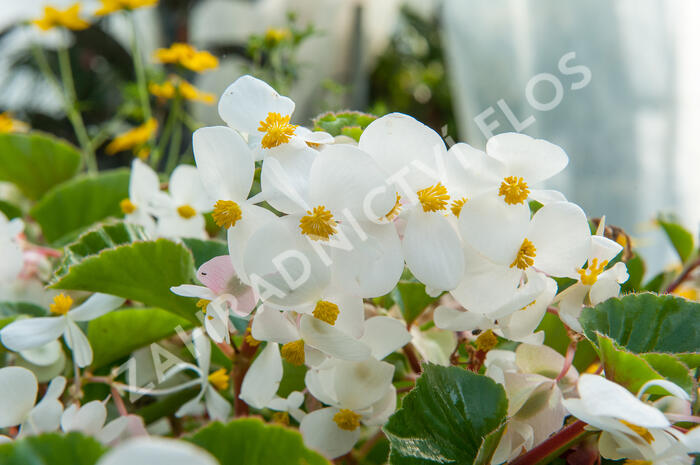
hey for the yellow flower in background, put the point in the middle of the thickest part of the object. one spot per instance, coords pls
(134, 139)
(168, 90)
(187, 56)
(110, 6)
(68, 18)
(9, 124)
(274, 36)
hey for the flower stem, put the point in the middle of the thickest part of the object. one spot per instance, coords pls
(175, 140)
(167, 131)
(683, 276)
(241, 363)
(139, 69)
(553, 446)
(412, 357)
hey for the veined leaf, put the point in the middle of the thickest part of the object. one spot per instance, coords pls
(52, 449)
(681, 238)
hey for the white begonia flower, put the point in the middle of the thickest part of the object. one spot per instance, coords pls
(554, 242)
(226, 168)
(595, 282)
(145, 197)
(183, 213)
(414, 157)
(10, 250)
(222, 293)
(631, 428)
(216, 406)
(36, 332)
(290, 405)
(520, 325)
(357, 392)
(255, 109)
(340, 201)
(18, 391)
(157, 451)
(535, 396)
(90, 419)
(511, 165)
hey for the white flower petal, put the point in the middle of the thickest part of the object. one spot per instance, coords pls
(191, 290)
(247, 102)
(95, 306)
(157, 451)
(78, 343)
(32, 332)
(322, 434)
(186, 188)
(143, 185)
(432, 250)
(88, 419)
(545, 196)
(561, 236)
(18, 390)
(603, 289)
(253, 217)
(285, 178)
(224, 161)
(470, 172)
(263, 378)
(459, 320)
(360, 384)
(202, 350)
(270, 324)
(522, 323)
(670, 387)
(173, 225)
(384, 335)
(218, 408)
(331, 340)
(533, 159)
(45, 355)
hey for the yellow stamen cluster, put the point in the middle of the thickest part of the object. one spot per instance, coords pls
(110, 6)
(61, 304)
(433, 198)
(589, 275)
(226, 213)
(293, 352)
(637, 462)
(187, 56)
(249, 339)
(202, 304)
(457, 206)
(347, 420)
(68, 18)
(219, 379)
(326, 311)
(318, 224)
(277, 130)
(133, 139)
(184, 89)
(127, 206)
(514, 190)
(486, 341)
(526, 255)
(395, 210)
(280, 417)
(640, 430)
(186, 211)
(9, 124)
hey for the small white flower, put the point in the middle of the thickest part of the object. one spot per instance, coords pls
(18, 391)
(182, 215)
(31, 333)
(157, 451)
(90, 419)
(145, 196)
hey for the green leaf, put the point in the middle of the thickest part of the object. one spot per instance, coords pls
(13, 309)
(36, 162)
(204, 251)
(142, 271)
(451, 416)
(633, 370)
(411, 299)
(646, 323)
(10, 211)
(681, 239)
(635, 270)
(347, 123)
(112, 336)
(77, 204)
(249, 441)
(52, 449)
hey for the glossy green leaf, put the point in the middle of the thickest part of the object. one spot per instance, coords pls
(36, 162)
(681, 238)
(142, 271)
(646, 323)
(112, 336)
(9, 210)
(451, 416)
(347, 123)
(249, 441)
(13, 309)
(52, 449)
(79, 203)
(205, 250)
(412, 299)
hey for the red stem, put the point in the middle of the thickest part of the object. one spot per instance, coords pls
(683, 277)
(570, 352)
(553, 446)
(412, 357)
(241, 363)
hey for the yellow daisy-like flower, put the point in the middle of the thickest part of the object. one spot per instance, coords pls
(133, 139)
(9, 124)
(169, 90)
(187, 56)
(68, 18)
(274, 36)
(110, 6)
